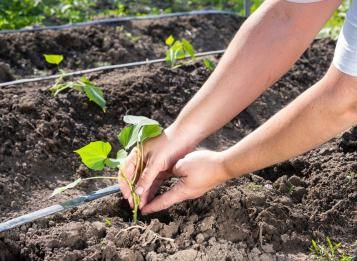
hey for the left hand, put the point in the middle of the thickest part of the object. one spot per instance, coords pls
(199, 172)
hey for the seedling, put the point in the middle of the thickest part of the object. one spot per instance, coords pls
(254, 186)
(178, 49)
(95, 155)
(330, 252)
(54, 58)
(209, 64)
(93, 92)
(108, 222)
(291, 188)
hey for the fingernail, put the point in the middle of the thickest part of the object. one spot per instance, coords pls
(139, 190)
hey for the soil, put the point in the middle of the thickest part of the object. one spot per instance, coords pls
(269, 215)
(123, 42)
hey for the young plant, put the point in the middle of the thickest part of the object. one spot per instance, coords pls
(209, 64)
(330, 252)
(93, 92)
(95, 155)
(178, 49)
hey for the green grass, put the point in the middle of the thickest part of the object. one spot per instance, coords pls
(15, 14)
(330, 251)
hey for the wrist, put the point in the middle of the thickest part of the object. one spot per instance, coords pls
(225, 172)
(229, 164)
(186, 136)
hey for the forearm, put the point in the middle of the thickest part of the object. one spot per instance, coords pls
(320, 113)
(265, 47)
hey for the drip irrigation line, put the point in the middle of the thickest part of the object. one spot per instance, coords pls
(102, 68)
(72, 203)
(111, 21)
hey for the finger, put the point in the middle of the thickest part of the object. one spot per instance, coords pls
(129, 169)
(147, 178)
(148, 195)
(175, 195)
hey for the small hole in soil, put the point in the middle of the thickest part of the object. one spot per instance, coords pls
(287, 168)
(10, 253)
(123, 210)
(163, 217)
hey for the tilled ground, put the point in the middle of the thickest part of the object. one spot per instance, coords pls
(122, 42)
(269, 215)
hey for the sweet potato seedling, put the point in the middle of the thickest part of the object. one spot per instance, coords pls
(178, 49)
(93, 92)
(95, 155)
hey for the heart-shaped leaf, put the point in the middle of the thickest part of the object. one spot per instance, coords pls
(149, 131)
(94, 154)
(53, 58)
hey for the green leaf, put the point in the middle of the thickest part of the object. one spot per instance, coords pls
(124, 135)
(115, 163)
(169, 40)
(134, 136)
(69, 186)
(112, 163)
(53, 58)
(94, 93)
(129, 135)
(94, 154)
(139, 120)
(209, 64)
(121, 155)
(149, 131)
(187, 46)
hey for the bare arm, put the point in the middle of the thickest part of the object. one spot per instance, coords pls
(320, 113)
(265, 47)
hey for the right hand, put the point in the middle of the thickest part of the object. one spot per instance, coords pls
(160, 155)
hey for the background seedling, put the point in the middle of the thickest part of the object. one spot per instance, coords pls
(95, 155)
(178, 49)
(329, 252)
(209, 64)
(93, 92)
(54, 58)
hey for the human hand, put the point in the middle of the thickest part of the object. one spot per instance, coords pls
(160, 154)
(199, 172)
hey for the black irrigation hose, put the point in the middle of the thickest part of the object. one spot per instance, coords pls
(72, 203)
(110, 21)
(102, 68)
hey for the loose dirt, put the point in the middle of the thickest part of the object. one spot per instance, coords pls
(92, 46)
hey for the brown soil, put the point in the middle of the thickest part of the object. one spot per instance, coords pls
(91, 46)
(269, 215)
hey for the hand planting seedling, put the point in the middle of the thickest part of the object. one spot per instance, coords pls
(95, 155)
(93, 92)
(178, 49)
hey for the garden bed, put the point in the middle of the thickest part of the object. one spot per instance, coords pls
(271, 214)
(91, 46)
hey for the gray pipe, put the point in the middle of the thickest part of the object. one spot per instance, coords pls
(102, 68)
(119, 19)
(72, 203)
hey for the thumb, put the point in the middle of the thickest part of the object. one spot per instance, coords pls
(175, 195)
(146, 179)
